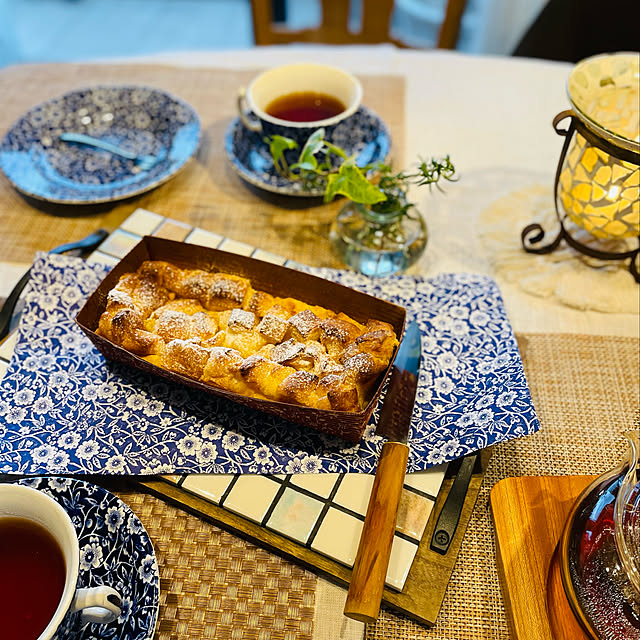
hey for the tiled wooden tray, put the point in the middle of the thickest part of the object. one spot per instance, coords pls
(314, 519)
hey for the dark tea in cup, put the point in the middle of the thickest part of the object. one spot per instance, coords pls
(32, 578)
(305, 106)
(294, 100)
(39, 569)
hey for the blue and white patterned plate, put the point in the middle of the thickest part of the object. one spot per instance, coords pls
(363, 134)
(140, 119)
(115, 550)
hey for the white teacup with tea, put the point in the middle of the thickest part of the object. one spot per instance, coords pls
(296, 99)
(39, 565)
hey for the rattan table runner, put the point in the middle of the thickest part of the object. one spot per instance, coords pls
(206, 194)
(214, 585)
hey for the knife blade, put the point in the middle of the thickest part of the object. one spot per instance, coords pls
(372, 559)
(80, 247)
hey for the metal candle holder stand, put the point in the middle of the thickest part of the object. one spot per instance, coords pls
(533, 234)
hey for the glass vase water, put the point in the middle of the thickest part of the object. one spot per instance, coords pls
(378, 244)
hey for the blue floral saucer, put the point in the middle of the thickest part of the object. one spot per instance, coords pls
(140, 119)
(115, 550)
(364, 134)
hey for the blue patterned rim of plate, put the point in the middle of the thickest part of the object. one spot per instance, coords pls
(364, 134)
(115, 550)
(140, 119)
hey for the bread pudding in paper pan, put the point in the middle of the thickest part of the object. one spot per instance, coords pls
(276, 339)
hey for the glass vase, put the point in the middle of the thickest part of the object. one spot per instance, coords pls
(378, 244)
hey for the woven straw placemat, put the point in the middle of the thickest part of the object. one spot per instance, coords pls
(586, 393)
(215, 585)
(207, 193)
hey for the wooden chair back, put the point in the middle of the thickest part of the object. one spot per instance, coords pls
(334, 28)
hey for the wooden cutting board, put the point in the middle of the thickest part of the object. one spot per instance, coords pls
(529, 514)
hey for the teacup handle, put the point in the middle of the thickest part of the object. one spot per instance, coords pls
(97, 604)
(253, 124)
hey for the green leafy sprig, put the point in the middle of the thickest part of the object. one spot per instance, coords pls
(375, 185)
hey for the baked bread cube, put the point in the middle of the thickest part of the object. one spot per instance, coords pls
(217, 329)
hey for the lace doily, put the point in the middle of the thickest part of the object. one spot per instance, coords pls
(564, 274)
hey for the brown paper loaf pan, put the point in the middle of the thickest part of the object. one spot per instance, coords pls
(274, 279)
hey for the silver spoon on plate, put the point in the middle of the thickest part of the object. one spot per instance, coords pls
(144, 162)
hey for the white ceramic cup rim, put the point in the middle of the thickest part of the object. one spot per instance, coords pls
(310, 74)
(20, 501)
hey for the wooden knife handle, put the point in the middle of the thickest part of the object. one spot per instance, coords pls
(372, 559)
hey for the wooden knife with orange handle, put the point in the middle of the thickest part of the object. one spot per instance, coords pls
(372, 560)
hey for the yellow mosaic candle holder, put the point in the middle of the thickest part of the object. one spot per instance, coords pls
(597, 184)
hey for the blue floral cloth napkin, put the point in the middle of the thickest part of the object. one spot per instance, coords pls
(65, 409)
